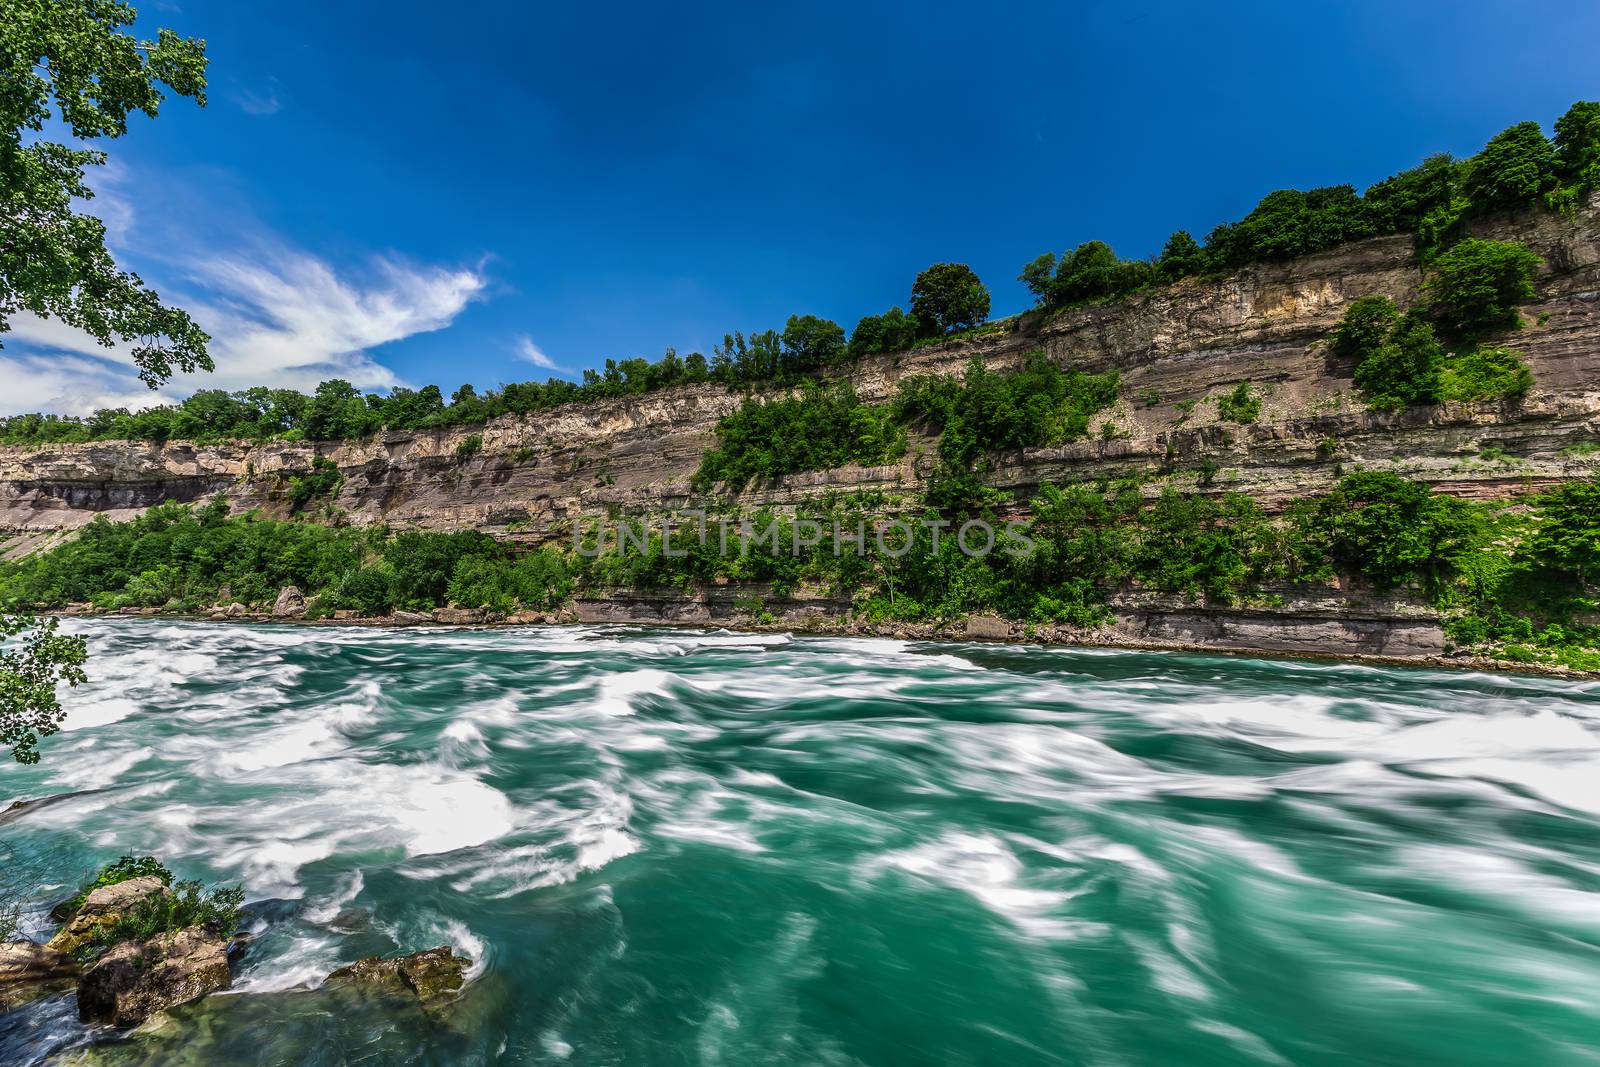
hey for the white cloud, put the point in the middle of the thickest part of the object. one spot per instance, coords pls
(278, 315)
(532, 353)
(69, 385)
(282, 318)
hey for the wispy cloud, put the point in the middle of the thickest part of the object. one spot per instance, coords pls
(291, 318)
(532, 353)
(262, 102)
(278, 317)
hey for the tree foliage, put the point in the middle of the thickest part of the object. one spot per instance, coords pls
(1389, 529)
(985, 410)
(1516, 167)
(1404, 369)
(1089, 272)
(893, 331)
(1476, 286)
(68, 63)
(34, 660)
(948, 297)
(1577, 146)
(817, 429)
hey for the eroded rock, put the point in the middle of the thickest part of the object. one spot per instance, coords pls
(133, 981)
(29, 970)
(101, 908)
(290, 602)
(433, 975)
(455, 616)
(988, 627)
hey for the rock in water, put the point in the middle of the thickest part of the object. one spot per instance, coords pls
(102, 907)
(29, 970)
(432, 976)
(290, 602)
(455, 616)
(132, 981)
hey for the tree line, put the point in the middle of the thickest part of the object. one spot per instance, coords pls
(1434, 201)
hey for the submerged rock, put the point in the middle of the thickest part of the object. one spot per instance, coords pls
(432, 976)
(29, 970)
(101, 908)
(290, 602)
(133, 981)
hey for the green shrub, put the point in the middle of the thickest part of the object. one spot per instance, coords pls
(1404, 370)
(121, 870)
(323, 481)
(1239, 405)
(368, 590)
(1382, 526)
(1039, 404)
(1485, 372)
(469, 446)
(1366, 326)
(188, 904)
(1476, 286)
(818, 429)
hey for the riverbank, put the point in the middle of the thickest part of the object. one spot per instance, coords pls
(1388, 632)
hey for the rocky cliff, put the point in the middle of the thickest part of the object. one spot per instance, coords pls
(1179, 349)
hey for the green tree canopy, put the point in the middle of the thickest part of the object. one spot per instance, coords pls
(1568, 537)
(1513, 169)
(33, 659)
(69, 61)
(948, 297)
(812, 342)
(1577, 158)
(893, 331)
(1476, 286)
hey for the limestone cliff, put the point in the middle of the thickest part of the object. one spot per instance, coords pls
(1179, 348)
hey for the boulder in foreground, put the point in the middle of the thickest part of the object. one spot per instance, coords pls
(29, 969)
(103, 907)
(133, 981)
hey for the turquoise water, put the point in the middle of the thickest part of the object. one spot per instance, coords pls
(681, 847)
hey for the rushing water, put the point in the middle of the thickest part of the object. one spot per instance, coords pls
(677, 847)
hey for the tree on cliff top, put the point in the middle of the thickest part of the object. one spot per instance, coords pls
(948, 297)
(68, 61)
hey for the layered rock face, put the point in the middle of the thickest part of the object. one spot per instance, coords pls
(1179, 349)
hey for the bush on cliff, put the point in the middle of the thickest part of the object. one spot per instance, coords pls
(1400, 362)
(984, 410)
(1476, 286)
(817, 429)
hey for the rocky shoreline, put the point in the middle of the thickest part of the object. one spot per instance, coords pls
(127, 972)
(1370, 635)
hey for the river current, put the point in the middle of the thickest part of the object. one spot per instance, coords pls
(695, 847)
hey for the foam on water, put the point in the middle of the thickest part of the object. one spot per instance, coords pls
(715, 847)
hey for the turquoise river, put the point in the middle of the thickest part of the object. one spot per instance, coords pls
(694, 847)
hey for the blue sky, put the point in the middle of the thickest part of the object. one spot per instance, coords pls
(413, 192)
